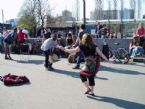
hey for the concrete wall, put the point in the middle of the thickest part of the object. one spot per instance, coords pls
(123, 43)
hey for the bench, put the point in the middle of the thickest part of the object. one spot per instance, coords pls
(140, 59)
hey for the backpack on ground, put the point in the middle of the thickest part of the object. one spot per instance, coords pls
(12, 80)
(71, 59)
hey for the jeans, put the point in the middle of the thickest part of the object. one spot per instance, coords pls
(134, 51)
(79, 57)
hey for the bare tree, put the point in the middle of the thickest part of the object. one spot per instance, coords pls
(43, 10)
(27, 16)
(109, 9)
(99, 5)
(35, 12)
(133, 6)
(115, 8)
(139, 7)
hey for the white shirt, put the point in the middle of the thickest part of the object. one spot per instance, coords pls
(25, 31)
(48, 44)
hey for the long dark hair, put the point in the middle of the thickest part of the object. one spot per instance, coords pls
(87, 40)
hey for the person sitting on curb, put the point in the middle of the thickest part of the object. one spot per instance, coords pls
(134, 48)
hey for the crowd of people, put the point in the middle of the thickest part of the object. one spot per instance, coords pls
(8, 38)
(103, 31)
(82, 48)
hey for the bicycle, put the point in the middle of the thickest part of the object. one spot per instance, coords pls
(120, 54)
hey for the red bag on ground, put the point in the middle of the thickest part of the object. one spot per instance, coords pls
(11, 80)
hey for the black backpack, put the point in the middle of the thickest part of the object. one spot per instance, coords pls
(105, 50)
(9, 39)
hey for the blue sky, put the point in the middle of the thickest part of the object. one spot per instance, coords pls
(12, 7)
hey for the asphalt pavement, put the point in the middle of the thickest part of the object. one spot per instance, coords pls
(118, 86)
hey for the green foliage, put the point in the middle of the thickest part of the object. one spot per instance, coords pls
(27, 21)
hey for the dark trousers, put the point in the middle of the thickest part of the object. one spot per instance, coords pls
(142, 40)
(47, 63)
(90, 79)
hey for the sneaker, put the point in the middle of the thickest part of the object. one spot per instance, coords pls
(52, 68)
(6, 58)
(76, 67)
(92, 94)
(87, 92)
(10, 58)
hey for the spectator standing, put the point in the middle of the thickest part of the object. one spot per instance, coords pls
(98, 30)
(8, 40)
(47, 33)
(79, 55)
(21, 36)
(40, 32)
(141, 33)
(1, 42)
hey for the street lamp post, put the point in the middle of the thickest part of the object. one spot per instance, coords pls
(122, 11)
(84, 12)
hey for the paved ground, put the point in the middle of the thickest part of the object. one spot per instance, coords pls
(117, 86)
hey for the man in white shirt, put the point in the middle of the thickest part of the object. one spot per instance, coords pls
(25, 30)
(47, 47)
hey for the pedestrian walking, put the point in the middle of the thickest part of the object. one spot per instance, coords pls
(9, 39)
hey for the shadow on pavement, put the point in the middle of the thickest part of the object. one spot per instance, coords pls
(120, 70)
(18, 85)
(69, 73)
(118, 102)
(37, 62)
(74, 74)
(101, 78)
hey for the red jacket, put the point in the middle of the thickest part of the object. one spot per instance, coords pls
(140, 32)
(21, 36)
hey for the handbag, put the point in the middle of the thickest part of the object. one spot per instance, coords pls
(89, 68)
(71, 58)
